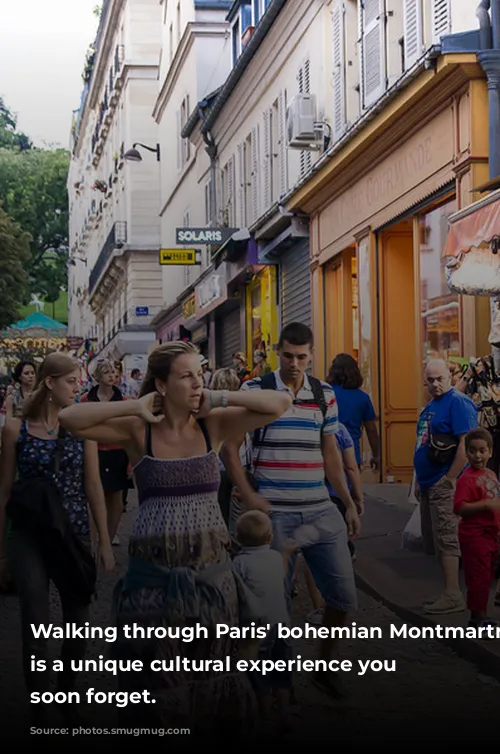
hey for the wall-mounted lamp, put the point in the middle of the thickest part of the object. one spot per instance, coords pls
(72, 261)
(135, 156)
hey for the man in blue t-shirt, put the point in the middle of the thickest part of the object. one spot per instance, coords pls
(353, 478)
(444, 422)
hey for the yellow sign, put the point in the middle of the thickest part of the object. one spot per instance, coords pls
(189, 307)
(50, 344)
(177, 256)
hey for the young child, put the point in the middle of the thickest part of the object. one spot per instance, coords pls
(477, 502)
(263, 571)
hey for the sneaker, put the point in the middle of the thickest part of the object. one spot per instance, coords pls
(116, 540)
(316, 617)
(485, 623)
(449, 602)
(331, 684)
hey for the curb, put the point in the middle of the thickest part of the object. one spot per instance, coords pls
(469, 649)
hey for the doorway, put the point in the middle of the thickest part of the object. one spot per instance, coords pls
(399, 351)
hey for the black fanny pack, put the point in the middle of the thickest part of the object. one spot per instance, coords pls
(442, 449)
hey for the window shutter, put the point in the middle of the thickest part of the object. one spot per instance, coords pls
(241, 185)
(230, 192)
(179, 141)
(282, 143)
(412, 22)
(441, 19)
(372, 50)
(266, 161)
(255, 174)
(339, 93)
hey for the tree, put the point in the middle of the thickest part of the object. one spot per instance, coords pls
(10, 138)
(34, 194)
(14, 258)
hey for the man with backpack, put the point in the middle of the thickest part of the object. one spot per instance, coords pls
(291, 459)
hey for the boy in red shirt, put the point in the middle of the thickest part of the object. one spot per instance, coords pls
(477, 502)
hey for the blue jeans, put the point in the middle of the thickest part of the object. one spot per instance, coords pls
(328, 559)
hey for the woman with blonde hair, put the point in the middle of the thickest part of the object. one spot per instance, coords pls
(29, 449)
(179, 571)
(113, 461)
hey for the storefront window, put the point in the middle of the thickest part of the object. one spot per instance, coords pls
(256, 304)
(440, 308)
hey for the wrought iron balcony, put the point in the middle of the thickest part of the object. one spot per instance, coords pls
(115, 240)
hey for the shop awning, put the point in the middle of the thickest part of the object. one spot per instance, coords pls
(473, 226)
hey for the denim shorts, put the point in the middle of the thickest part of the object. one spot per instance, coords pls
(328, 558)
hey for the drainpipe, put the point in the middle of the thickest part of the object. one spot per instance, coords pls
(211, 150)
(489, 59)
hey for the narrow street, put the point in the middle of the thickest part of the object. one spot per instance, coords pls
(431, 682)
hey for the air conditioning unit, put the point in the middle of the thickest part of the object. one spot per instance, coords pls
(300, 120)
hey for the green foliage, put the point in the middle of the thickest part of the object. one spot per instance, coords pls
(33, 191)
(14, 258)
(10, 138)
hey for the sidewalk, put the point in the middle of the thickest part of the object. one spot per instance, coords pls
(403, 580)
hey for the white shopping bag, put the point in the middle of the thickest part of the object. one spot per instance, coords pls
(412, 534)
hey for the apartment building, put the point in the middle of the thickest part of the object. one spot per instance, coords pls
(344, 136)
(195, 61)
(114, 186)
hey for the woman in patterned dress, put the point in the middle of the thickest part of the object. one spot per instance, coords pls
(179, 571)
(28, 449)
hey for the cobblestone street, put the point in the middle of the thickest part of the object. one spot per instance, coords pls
(430, 681)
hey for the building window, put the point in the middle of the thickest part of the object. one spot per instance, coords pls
(304, 87)
(372, 22)
(184, 147)
(178, 16)
(439, 308)
(227, 214)
(247, 178)
(241, 21)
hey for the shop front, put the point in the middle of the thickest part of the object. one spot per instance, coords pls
(210, 294)
(262, 314)
(290, 251)
(172, 327)
(378, 229)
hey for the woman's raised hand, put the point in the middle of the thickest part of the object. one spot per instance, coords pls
(151, 404)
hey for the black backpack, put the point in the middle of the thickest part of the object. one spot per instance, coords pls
(268, 382)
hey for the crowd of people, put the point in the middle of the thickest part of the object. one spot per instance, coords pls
(240, 476)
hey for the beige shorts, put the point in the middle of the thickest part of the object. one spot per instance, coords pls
(439, 522)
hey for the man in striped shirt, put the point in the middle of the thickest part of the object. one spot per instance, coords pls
(291, 461)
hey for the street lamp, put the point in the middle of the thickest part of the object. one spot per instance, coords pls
(135, 156)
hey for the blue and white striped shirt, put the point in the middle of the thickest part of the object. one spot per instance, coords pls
(290, 470)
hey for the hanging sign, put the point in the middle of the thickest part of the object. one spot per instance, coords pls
(206, 236)
(178, 256)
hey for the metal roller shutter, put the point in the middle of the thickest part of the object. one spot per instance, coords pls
(296, 286)
(229, 338)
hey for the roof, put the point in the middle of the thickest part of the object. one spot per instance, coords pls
(38, 320)
(243, 61)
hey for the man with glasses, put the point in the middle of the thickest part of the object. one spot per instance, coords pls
(439, 460)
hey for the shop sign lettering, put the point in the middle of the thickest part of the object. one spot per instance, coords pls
(211, 292)
(49, 344)
(203, 235)
(189, 307)
(408, 166)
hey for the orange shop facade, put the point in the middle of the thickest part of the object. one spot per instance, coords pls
(379, 221)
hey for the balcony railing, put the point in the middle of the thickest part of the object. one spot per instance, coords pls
(115, 240)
